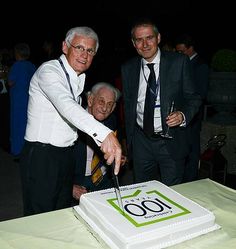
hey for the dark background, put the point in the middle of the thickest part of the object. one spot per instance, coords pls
(211, 26)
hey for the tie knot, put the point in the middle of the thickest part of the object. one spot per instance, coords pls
(150, 66)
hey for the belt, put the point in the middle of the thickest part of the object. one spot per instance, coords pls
(45, 145)
(155, 135)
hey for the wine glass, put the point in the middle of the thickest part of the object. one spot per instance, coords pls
(166, 134)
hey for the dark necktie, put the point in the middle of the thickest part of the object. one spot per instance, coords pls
(150, 99)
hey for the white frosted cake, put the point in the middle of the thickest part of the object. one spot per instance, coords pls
(155, 216)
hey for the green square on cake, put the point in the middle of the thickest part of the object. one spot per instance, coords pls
(155, 216)
(143, 209)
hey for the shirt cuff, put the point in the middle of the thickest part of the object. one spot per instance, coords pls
(183, 124)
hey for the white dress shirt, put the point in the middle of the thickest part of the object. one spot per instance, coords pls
(53, 114)
(144, 74)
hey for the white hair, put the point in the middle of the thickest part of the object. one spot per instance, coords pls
(100, 85)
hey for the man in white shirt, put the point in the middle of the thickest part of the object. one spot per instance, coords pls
(54, 115)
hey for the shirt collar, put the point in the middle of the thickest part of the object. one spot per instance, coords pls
(156, 60)
(70, 70)
(194, 55)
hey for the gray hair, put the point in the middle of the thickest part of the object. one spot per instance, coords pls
(81, 31)
(145, 22)
(100, 85)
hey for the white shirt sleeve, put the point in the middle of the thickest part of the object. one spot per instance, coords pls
(53, 114)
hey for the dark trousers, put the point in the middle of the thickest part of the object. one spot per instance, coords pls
(105, 183)
(152, 161)
(192, 161)
(46, 174)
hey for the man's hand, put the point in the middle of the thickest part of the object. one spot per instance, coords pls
(174, 119)
(112, 151)
(78, 191)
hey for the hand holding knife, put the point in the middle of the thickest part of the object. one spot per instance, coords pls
(117, 188)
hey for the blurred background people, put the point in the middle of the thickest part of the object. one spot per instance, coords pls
(185, 44)
(168, 46)
(5, 63)
(49, 51)
(19, 78)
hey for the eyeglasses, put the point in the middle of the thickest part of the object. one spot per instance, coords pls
(81, 49)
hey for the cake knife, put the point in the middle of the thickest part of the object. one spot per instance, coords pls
(117, 187)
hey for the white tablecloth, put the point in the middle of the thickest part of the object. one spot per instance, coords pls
(61, 230)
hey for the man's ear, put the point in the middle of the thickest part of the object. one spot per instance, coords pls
(159, 38)
(64, 47)
(90, 100)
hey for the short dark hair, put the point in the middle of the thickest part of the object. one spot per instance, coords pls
(185, 39)
(23, 50)
(144, 21)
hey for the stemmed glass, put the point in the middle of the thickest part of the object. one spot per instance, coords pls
(167, 135)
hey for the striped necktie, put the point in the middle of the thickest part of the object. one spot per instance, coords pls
(96, 172)
(148, 119)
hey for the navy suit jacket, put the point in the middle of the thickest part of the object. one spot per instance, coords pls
(80, 150)
(176, 83)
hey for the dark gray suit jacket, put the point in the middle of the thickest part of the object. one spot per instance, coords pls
(201, 77)
(176, 83)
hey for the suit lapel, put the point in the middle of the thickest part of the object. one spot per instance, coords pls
(135, 81)
(164, 87)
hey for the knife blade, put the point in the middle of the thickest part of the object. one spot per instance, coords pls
(117, 188)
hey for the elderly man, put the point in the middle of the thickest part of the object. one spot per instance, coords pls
(91, 172)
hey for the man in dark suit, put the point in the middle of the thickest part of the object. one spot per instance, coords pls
(90, 174)
(156, 157)
(186, 45)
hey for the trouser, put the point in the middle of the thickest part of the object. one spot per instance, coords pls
(47, 177)
(192, 162)
(152, 161)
